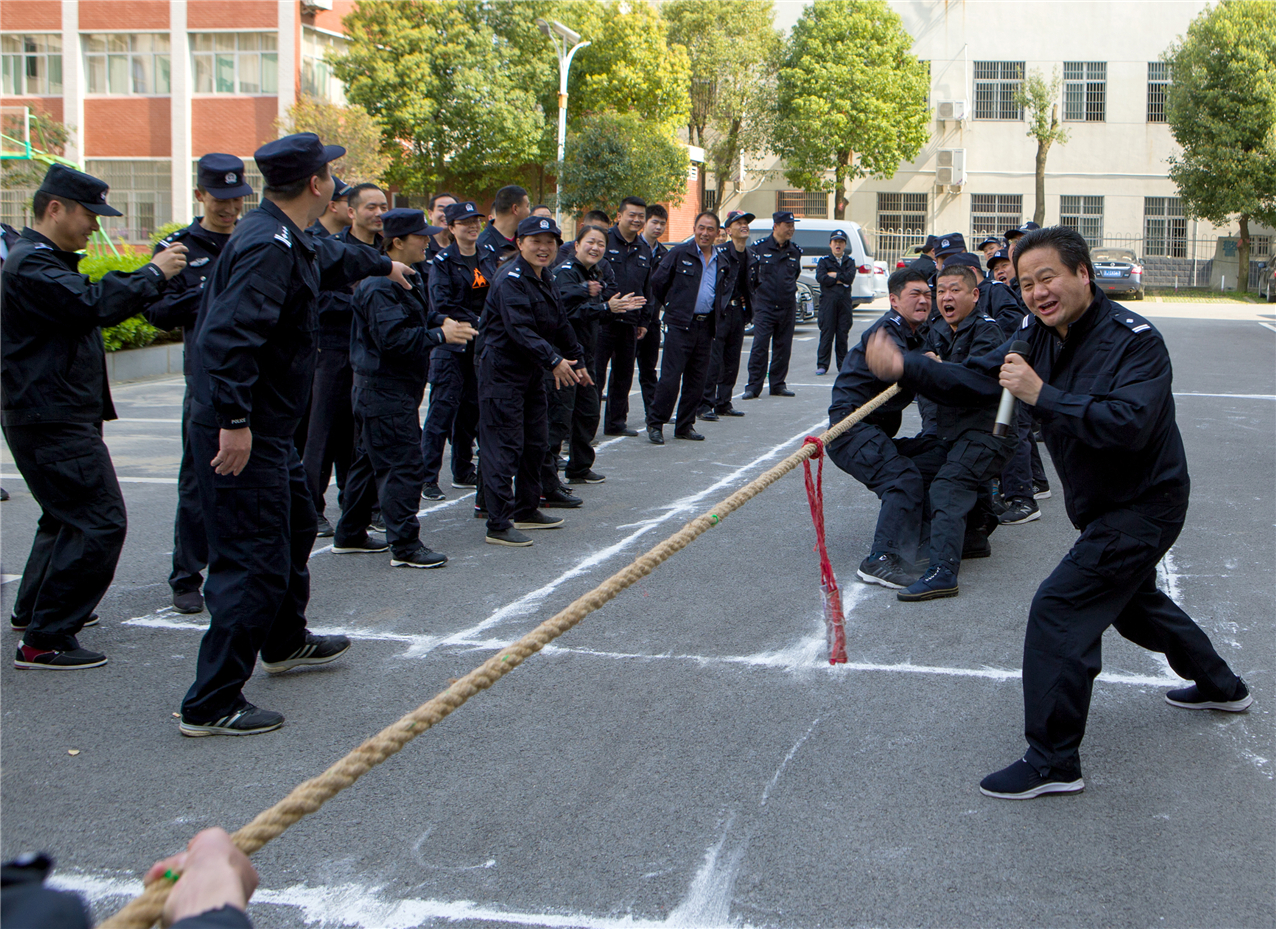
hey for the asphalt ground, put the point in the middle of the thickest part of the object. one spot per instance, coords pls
(686, 756)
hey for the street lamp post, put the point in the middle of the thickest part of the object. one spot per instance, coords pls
(562, 37)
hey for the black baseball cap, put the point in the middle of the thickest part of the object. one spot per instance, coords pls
(455, 212)
(396, 224)
(1023, 230)
(962, 258)
(998, 255)
(294, 157)
(782, 216)
(838, 234)
(84, 189)
(737, 215)
(989, 240)
(930, 243)
(222, 176)
(534, 225)
(950, 244)
(340, 189)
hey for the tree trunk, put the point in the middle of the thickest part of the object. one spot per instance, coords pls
(1242, 257)
(730, 151)
(842, 196)
(1039, 212)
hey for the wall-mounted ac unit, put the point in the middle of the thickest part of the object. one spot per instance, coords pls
(951, 170)
(309, 6)
(951, 110)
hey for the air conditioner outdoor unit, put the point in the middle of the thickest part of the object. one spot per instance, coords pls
(951, 171)
(951, 109)
(312, 5)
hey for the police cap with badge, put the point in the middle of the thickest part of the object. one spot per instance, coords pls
(998, 256)
(222, 176)
(458, 212)
(340, 189)
(838, 234)
(952, 244)
(1012, 234)
(85, 189)
(736, 216)
(399, 224)
(782, 216)
(534, 225)
(294, 157)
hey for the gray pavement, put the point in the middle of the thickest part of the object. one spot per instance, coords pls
(685, 757)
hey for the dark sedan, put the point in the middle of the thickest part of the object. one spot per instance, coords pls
(1118, 271)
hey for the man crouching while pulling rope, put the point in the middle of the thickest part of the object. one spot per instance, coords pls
(1099, 378)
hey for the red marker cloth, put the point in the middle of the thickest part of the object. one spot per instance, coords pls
(828, 583)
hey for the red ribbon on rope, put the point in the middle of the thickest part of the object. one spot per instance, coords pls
(828, 582)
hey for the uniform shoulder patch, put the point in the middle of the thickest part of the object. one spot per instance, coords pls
(284, 236)
(198, 262)
(175, 236)
(515, 274)
(1027, 321)
(1132, 321)
(40, 245)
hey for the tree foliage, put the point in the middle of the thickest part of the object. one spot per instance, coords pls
(609, 157)
(1040, 98)
(349, 126)
(48, 135)
(1221, 107)
(851, 96)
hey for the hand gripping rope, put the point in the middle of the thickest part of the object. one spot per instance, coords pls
(143, 910)
(828, 583)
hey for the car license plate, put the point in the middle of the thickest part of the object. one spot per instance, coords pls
(1111, 272)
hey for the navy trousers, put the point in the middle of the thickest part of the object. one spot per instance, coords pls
(190, 541)
(773, 335)
(453, 413)
(616, 349)
(513, 435)
(330, 437)
(724, 358)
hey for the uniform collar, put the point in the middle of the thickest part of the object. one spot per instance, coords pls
(614, 234)
(298, 235)
(71, 259)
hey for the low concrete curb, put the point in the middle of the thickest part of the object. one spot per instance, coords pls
(134, 364)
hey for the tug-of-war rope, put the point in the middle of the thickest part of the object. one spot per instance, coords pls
(144, 910)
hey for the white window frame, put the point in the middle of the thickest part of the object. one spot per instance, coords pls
(213, 60)
(1084, 214)
(1085, 91)
(998, 88)
(143, 63)
(18, 62)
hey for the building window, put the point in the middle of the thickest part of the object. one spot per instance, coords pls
(235, 62)
(141, 190)
(1260, 246)
(997, 86)
(1158, 86)
(1085, 90)
(901, 213)
(1164, 227)
(809, 203)
(1084, 214)
(993, 214)
(32, 65)
(118, 63)
(317, 77)
(252, 177)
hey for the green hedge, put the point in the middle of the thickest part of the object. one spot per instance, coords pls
(132, 333)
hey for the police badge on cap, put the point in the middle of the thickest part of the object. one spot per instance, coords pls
(222, 176)
(85, 189)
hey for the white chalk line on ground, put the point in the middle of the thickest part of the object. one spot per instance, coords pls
(1268, 326)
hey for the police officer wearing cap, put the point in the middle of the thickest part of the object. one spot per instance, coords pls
(631, 261)
(1100, 379)
(728, 335)
(777, 262)
(925, 262)
(53, 399)
(220, 191)
(256, 342)
(987, 247)
(835, 273)
(458, 289)
(525, 332)
(390, 354)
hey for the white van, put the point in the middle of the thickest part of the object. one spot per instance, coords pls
(812, 236)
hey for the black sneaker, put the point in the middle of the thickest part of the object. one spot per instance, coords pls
(749, 395)
(511, 537)
(1041, 490)
(432, 493)
(975, 545)
(560, 463)
(73, 659)
(377, 522)
(538, 520)
(885, 569)
(589, 477)
(325, 530)
(480, 513)
(467, 481)
(938, 581)
(247, 720)
(188, 601)
(728, 410)
(20, 625)
(370, 544)
(1019, 512)
(1191, 698)
(626, 431)
(420, 557)
(783, 392)
(1021, 781)
(560, 499)
(319, 649)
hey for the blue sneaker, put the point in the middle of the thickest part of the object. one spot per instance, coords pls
(938, 581)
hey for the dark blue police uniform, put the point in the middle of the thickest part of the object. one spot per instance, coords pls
(257, 341)
(54, 397)
(222, 176)
(836, 276)
(647, 349)
(775, 271)
(631, 263)
(728, 335)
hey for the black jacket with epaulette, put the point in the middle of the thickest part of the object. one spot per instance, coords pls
(774, 274)
(975, 335)
(676, 284)
(524, 320)
(572, 280)
(179, 306)
(455, 291)
(856, 384)
(392, 336)
(633, 264)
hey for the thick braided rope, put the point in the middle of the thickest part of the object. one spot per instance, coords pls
(308, 796)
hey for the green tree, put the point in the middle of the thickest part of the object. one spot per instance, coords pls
(449, 90)
(1040, 98)
(47, 135)
(851, 97)
(349, 126)
(734, 51)
(611, 156)
(1221, 108)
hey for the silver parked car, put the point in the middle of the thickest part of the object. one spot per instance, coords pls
(1118, 271)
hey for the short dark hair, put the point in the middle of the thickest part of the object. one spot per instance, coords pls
(542, 206)
(656, 211)
(598, 216)
(40, 203)
(896, 283)
(295, 188)
(590, 227)
(440, 195)
(632, 201)
(965, 272)
(702, 214)
(1071, 246)
(355, 193)
(507, 198)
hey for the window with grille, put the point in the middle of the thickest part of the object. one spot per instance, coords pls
(1085, 90)
(810, 203)
(1164, 227)
(997, 86)
(993, 214)
(118, 63)
(235, 62)
(1084, 214)
(252, 177)
(1260, 246)
(902, 213)
(709, 199)
(1158, 85)
(32, 65)
(141, 190)
(317, 77)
